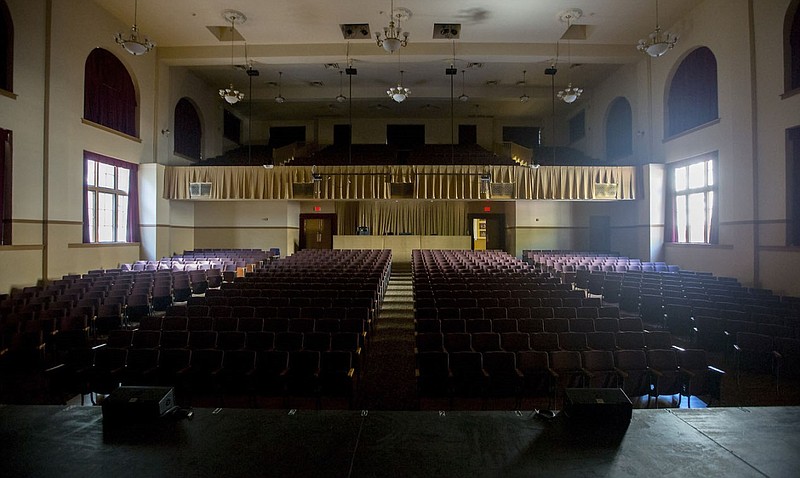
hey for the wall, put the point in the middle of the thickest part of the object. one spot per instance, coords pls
(23, 115)
(246, 224)
(69, 137)
(775, 113)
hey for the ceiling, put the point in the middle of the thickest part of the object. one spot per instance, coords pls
(498, 41)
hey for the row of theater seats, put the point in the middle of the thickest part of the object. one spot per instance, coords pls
(287, 341)
(355, 323)
(222, 259)
(219, 373)
(555, 324)
(532, 373)
(544, 341)
(454, 311)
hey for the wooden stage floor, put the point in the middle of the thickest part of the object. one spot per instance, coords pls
(72, 441)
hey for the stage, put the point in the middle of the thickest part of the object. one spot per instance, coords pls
(72, 441)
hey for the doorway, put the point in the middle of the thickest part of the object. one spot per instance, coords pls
(317, 231)
(487, 231)
(467, 134)
(599, 233)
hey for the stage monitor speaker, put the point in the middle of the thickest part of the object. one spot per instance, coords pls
(598, 406)
(136, 404)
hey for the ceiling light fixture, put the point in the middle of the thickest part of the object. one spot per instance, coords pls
(658, 42)
(280, 98)
(399, 93)
(524, 98)
(341, 98)
(231, 95)
(570, 93)
(392, 41)
(463, 98)
(133, 44)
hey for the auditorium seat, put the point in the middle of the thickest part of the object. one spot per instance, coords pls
(665, 376)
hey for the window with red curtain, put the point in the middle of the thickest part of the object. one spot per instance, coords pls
(792, 46)
(109, 97)
(188, 130)
(110, 200)
(692, 214)
(692, 100)
(6, 48)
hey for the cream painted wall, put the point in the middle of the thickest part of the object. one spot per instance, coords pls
(176, 82)
(24, 115)
(20, 266)
(544, 225)
(247, 224)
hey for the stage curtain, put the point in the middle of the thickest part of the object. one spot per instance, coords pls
(444, 218)
(373, 182)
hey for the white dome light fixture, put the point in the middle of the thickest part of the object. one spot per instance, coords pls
(391, 41)
(280, 99)
(524, 98)
(570, 93)
(399, 93)
(657, 43)
(463, 97)
(230, 94)
(340, 98)
(133, 44)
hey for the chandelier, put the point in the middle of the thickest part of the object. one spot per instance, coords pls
(133, 44)
(524, 98)
(280, 98)
(570, 93)
(399, 93)
(231, 95)
(658, 42)
(463, 98)
(391, 41)
(340, 98)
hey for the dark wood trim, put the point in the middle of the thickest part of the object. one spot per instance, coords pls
(305, 216)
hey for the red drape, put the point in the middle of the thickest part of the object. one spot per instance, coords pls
(109, 97)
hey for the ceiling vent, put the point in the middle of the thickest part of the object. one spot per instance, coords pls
(355, 31)
(446, 31)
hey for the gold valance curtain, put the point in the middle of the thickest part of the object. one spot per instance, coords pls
(444, 218)
(374, 182)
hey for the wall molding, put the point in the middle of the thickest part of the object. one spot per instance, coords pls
(109, 130)
(248, 227)
(8, 94)
(93, 245)
(22, 247)
(694, 245)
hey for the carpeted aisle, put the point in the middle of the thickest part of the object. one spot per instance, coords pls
(388, 381)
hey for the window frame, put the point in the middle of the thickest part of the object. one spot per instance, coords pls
(679, 228)
(93, 225)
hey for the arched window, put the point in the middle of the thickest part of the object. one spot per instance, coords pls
(619, 129)
(6, 48)
(792, 46)
(109, 97)
(692, 99)
(188, 130)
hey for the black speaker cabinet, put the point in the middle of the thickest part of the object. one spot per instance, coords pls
(601, 406)
(136, 404)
